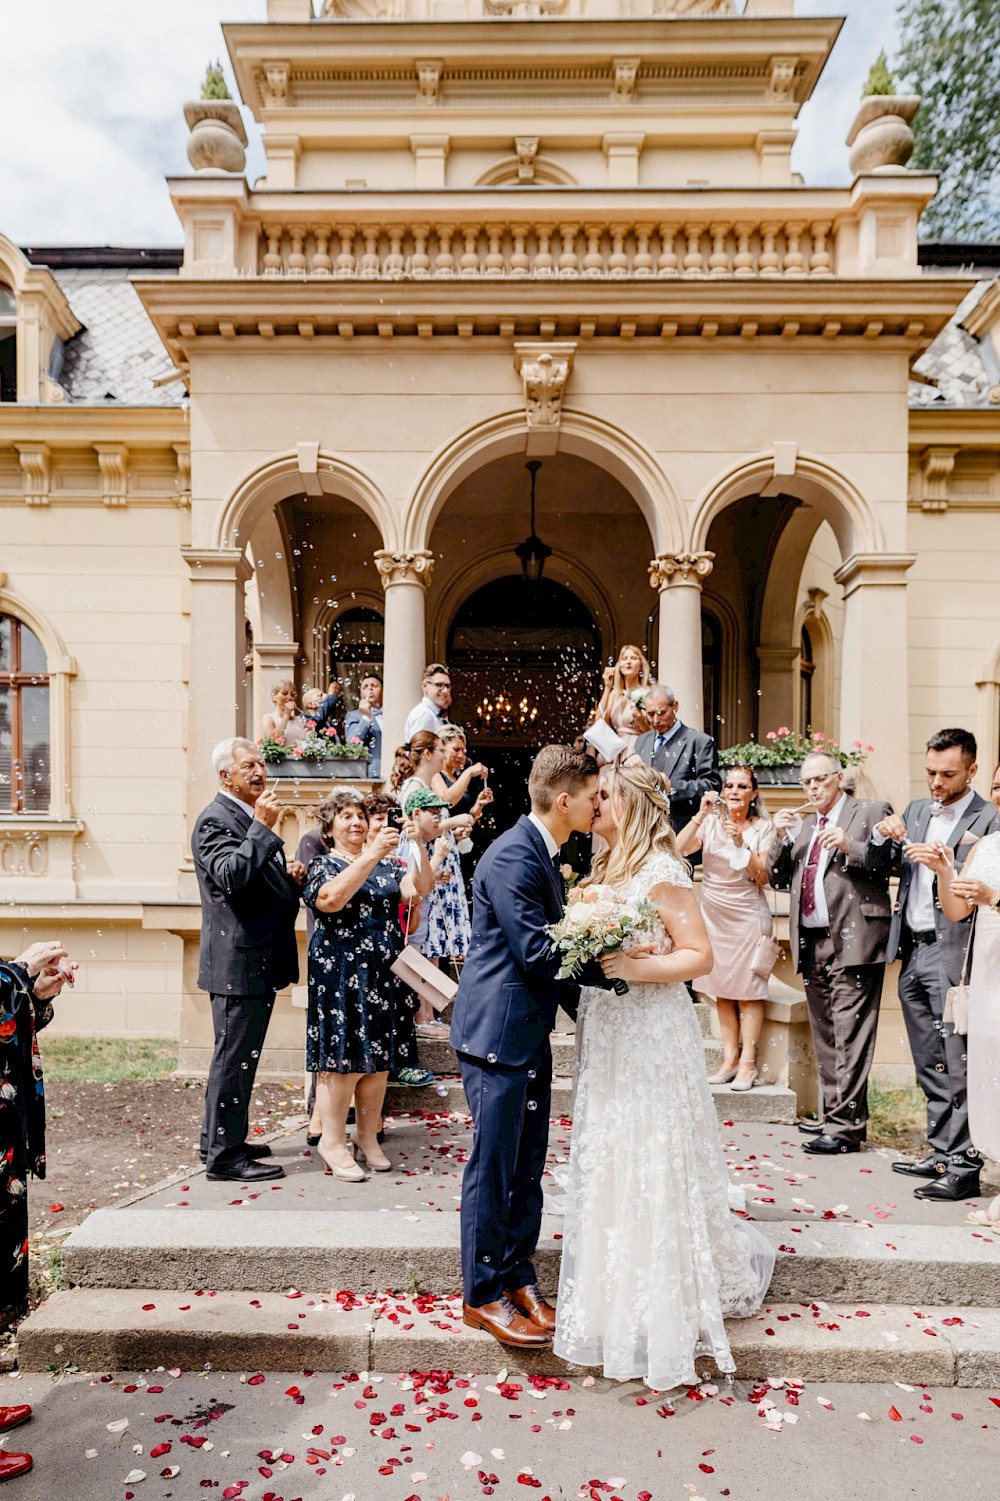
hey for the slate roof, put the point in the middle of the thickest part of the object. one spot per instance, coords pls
(954, 364)
(117, 354)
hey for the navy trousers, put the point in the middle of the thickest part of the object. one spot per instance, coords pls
(240, 1023)
(502, 1183)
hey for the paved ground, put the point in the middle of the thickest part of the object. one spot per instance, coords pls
(282, 1437)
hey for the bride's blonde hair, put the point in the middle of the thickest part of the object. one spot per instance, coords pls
(643, 817)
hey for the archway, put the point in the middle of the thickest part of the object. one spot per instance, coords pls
(525, 661)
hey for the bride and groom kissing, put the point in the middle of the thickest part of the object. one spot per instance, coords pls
(652, 1258)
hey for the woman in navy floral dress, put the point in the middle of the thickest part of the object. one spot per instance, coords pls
(355, 891)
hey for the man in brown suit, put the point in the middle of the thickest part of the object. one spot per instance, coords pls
(839, 914)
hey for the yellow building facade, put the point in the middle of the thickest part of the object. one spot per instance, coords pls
(488, 233)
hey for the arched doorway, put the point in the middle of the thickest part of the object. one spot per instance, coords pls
(525, 659)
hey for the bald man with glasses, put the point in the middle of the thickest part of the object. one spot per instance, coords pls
(838, 920)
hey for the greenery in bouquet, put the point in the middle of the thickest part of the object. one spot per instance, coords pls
(597, 920)
(781, 747)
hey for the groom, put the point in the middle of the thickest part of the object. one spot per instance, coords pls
(505, 1009)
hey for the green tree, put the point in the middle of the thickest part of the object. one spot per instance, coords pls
(950, 55)
(214, 85)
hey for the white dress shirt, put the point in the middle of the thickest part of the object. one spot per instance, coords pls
(424, 716)
(247, 807)
(821, 916)
(550, 844)
(919, 912)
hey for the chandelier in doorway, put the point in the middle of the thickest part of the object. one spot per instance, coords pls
(499, 716)
(533, 551)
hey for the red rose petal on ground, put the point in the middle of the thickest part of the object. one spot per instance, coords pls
(707, 1469)
(148, 1307)
(159, 1450)
(257, 1380)
(56, 1208)
(895, 1415)
(914, 1439)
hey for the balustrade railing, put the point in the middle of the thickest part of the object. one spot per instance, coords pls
(556, 248)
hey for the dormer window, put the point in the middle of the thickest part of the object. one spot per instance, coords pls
(8, 345)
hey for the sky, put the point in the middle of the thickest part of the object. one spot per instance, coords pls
(91, 116)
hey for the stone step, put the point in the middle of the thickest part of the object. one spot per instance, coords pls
(142, 1329)
(765, 1102)
(439, 1056)
(372, 1250)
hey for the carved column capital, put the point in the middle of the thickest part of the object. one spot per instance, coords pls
(544, 370)
(404, 567)
(668, 569)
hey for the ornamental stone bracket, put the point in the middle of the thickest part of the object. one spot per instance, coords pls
(35, 459)
(670, 569)
(937, 465)
(273, 80)
(526, 150)
(429, 70)
(544, 370)
(113, 461)
(183, 453)
(781, 80)
(626, 73)
(36, 857)
(404, 567)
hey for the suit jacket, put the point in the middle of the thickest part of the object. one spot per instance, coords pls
(952, 936)
(369, 732)
(856, 884)
(508, 994)
(327, 713)
(248, 904)
(691, 762)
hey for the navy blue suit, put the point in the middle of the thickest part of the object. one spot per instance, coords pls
(504, 1011)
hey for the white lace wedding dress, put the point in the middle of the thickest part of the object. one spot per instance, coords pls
(653, 1260)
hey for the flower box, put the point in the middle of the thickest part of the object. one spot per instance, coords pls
(341, 768)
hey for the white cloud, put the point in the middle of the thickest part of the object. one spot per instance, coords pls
(91, 121)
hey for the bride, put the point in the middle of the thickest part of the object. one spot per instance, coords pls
(653, 1260)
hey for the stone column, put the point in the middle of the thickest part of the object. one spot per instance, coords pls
(677, 577)
(874, 693)
(779, 686)
(216, 702)
(405, 576)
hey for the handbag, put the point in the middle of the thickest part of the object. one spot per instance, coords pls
(766, 951)
(956, 997)
(424, 978)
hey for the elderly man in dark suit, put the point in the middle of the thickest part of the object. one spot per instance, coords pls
(686, 757)
(504, 1011)
(249, 903)
(932, 951)
(838, 927)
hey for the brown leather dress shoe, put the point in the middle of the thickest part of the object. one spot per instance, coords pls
(13, 1464)
(502, 1320)
(529, 1301)
(13, 1417)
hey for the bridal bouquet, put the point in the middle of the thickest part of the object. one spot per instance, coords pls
(597, 920)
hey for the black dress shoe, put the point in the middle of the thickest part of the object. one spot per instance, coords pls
(246, 1171)
(829, 1146)
(951, 1187)
(255, 1153)
(928, 1167)
(810, 1128)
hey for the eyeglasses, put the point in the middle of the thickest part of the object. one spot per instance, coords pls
(818, 781)
(439, 683)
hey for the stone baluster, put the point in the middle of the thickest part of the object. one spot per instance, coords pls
(795, 261)
(718, 261)
(821, 261)
(618, 259)
(544, 263)
(593, 260)
(272, 255)
(694, 261)
(743, 259)
(420, 261)
(296, 256)
(494, 255)
(667, 263)
(394, 262)
(444, 261)
(322, 264)
(371, 266)
(569, 261)
(642, 261)
(345, 260)
(469, 262)
(519, 263)
(768, 263)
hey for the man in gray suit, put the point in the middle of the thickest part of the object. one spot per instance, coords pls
(249, 903)
(932, 951)
(686, 757)
(838, 920)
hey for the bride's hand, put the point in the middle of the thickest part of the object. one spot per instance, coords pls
(620, 966)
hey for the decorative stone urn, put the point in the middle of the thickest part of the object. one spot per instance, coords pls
(218, 140)
(880, 138)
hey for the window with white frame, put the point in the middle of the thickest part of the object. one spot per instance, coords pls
(25, 737)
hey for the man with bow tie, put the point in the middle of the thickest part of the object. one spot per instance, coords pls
(838, 925)
(249, 902)
(932, 950)
(431, 713)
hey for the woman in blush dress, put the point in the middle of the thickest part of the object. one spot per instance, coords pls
(617, 706)
(285, 722)
(653, 1261)
(733, 837)
(978, 885)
